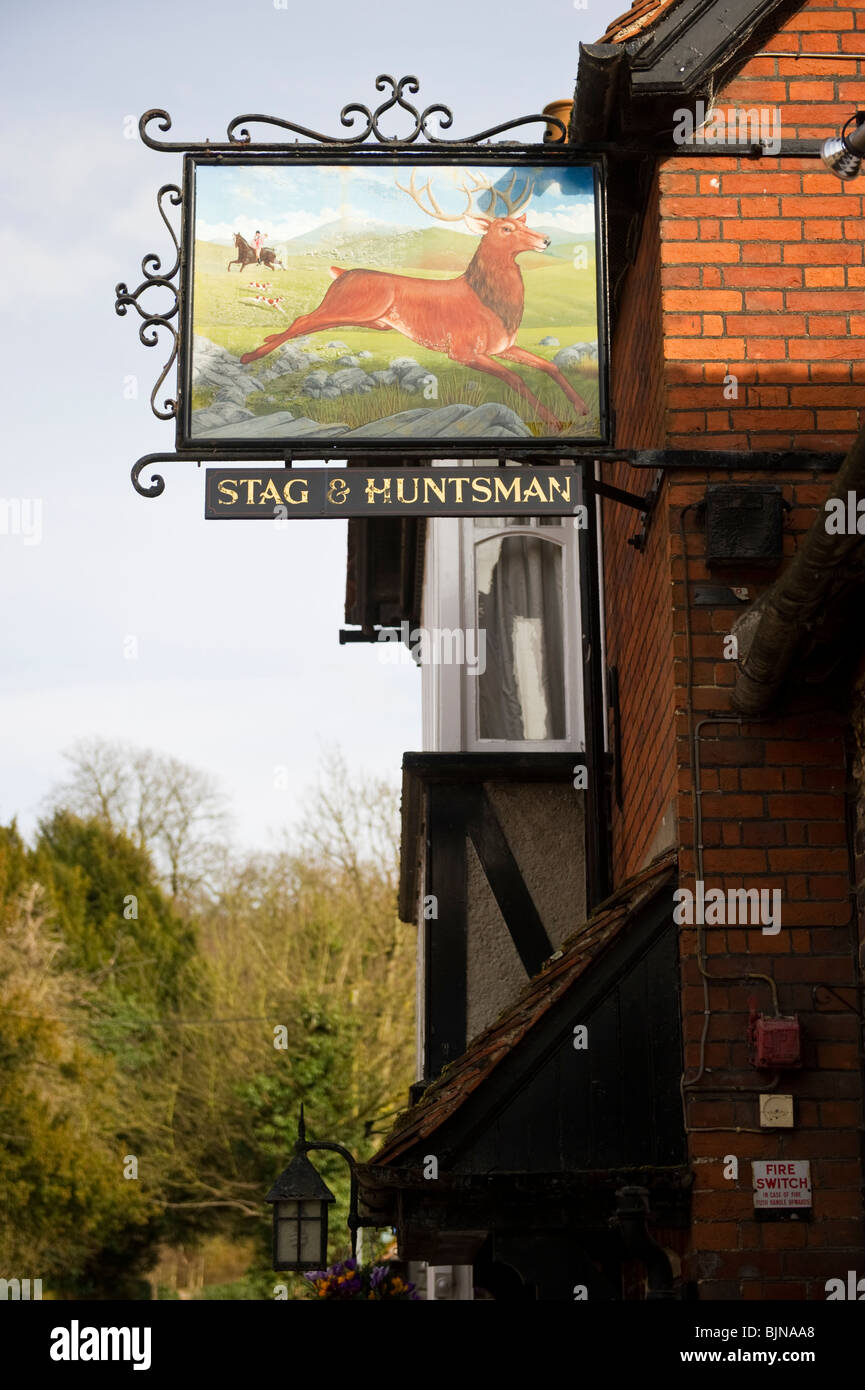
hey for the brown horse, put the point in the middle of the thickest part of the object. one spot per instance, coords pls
(246, 256)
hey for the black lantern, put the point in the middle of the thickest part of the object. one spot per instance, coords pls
(300, 1198)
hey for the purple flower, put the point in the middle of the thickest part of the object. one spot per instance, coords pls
(378, 1274)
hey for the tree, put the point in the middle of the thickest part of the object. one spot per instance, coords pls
(62, 1193)
(174, 811)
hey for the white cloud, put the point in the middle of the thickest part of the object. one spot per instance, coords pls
(578, 219)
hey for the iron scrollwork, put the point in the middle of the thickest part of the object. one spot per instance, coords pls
(239, 137)
(157, 278)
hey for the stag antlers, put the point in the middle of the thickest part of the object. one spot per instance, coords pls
(480, 184)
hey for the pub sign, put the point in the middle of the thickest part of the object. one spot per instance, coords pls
(414, 297)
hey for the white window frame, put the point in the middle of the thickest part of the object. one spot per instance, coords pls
(449, 601)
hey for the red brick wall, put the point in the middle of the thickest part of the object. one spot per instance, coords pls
(639, 629)
(762, 262)
(762, 277)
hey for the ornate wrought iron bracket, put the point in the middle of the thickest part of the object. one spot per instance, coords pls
(157, 278)
(365, 125)
(239, 138)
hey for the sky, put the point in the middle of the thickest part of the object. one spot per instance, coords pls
(287, 203)
(132, 618)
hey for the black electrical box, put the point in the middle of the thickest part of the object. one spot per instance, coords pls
(744, 525)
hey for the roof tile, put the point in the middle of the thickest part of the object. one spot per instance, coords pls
(639, 17)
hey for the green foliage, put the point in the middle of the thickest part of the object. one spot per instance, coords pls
(62, 1194)
(153, 1035)
(92, 873)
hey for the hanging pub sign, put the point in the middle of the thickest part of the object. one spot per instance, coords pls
(416, 296)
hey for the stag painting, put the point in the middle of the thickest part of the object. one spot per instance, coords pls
(474, 317)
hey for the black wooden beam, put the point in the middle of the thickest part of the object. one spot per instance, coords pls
(445, 935)
(508, 886)
(597, 816)
(732, 460)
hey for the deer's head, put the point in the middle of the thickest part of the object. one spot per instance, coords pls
(507, 233)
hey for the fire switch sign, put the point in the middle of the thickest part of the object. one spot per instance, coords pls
(782, 1190)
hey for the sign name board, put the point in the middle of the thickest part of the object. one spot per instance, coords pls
(323, 492)
(781, 1186)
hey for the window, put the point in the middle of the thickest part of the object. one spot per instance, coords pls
(299, 1232)
(510, 585)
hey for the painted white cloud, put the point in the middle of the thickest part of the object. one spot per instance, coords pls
(577, 219)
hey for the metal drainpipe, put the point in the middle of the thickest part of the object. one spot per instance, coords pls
(597, 833)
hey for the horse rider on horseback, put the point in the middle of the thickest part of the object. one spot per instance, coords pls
(256, 242)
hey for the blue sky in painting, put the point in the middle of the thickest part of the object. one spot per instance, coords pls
(288, 202)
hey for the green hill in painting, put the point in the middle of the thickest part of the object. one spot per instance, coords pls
(559, 303)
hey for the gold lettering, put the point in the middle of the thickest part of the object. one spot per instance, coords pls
(250, 484)
(459, 484)
(400, 484)
(337, 491)
(531, 491)
(270, 493)
(286, 491)
(372, 491)
(430, 485)
(507, 492)
(227, 487)
(562, 488)
(481, 489)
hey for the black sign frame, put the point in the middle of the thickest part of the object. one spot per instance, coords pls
(524, 156)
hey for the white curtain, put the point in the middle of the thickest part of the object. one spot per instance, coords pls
(521, 694)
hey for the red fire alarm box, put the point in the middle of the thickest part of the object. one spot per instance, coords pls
(775, 1043)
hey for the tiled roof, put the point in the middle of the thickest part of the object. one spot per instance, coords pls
(639, 17)
(462, 1077)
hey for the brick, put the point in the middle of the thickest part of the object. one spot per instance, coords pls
(691, 349)
(774, 183)
(712, 206)
(767, 229)
(830, 254)
(760, 252)
(822, 276)
(767, 349)
(812, 91)
(672, 183)
(826, 301)
(673, 252)
(764, 299)
(814, 205)
(683, 323)
(841, 348)
(811, 19)
(703, 301)
(764, 277)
